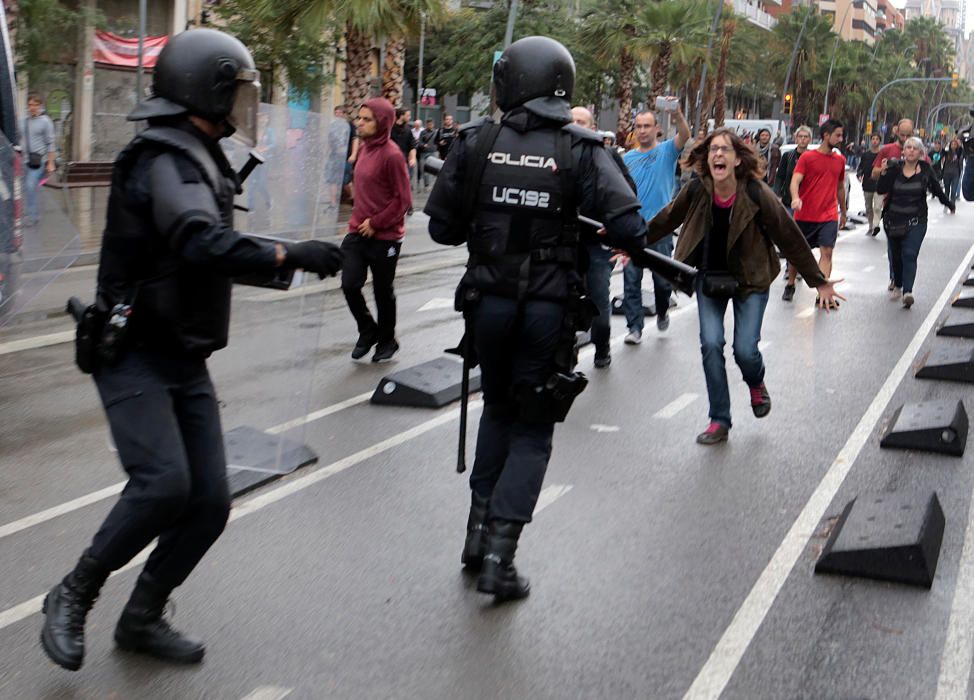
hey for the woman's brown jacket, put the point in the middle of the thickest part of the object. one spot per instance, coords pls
(754, 233)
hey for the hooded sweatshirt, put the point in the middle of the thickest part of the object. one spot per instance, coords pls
(382, 192)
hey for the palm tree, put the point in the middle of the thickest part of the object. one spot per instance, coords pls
(720, 80)
(362, 20)
(666, 26)
(611, 35)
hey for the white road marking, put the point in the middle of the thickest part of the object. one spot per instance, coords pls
(39, 341)
(115, 489)
(437, 303)
(599, 428)
(678, 404)
(724, 659)
(24, 610)
(549, 495)
(807, 313)
(51, 513)
(268, 692)
(869, 268)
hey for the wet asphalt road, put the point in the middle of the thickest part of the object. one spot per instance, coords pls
(660, 568)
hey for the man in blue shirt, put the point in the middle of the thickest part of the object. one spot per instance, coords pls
(652, 165)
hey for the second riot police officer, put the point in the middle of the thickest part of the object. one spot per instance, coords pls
(168, 253)
(512, 192)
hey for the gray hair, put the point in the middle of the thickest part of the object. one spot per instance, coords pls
(917, 142)
(805, 129)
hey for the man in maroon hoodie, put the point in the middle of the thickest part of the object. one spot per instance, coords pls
(376, 229)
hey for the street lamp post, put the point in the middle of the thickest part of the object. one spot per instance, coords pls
(419, 76)
(703, 72)
(872, 106)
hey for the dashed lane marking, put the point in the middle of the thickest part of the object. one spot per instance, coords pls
(437, 303)
(549, 495)
(671, 409)
(268, 692)
(727, 654)
(24, 610)
(113, 490)
(39, 341)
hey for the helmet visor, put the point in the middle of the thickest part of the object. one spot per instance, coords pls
(246, 102)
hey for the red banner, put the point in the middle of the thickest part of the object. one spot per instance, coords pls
(119, 51)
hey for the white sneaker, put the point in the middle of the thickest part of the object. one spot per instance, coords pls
(634, 338)
(907, 300)
(895, 293)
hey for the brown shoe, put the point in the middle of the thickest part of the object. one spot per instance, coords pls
(714, 433)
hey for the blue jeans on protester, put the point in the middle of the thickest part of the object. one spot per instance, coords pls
(597, 281)
(632, 288)
(952, 187)
(32, 192)
(748, 317)
(903, 254)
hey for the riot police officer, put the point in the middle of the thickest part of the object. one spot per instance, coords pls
(168, 253)
(512, 192)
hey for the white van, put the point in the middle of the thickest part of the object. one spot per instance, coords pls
(752, 126)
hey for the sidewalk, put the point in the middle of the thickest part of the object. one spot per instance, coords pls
(61, 258)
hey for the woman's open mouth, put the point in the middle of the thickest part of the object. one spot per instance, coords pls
(719, 167)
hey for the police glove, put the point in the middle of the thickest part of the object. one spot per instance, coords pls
(315, 256)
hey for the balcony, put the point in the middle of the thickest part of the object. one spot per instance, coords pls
(754, 14)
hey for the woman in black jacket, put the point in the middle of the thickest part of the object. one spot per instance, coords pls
(953, 162)
(906, 184)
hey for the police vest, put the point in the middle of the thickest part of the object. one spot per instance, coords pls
(523, 241)
(176, 306)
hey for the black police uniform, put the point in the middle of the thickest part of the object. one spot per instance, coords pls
(169, 250)
(168, 254)
(522, 288)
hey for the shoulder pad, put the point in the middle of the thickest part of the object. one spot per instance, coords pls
(476, 123)
(582, 133)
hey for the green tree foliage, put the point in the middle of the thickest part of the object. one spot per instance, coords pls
(278, 42)
(37, 56)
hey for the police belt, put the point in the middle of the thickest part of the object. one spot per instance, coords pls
(566, 255)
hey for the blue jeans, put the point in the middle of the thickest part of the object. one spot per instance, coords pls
(632, 288)
(597, 281)
(903, 254)
(748, 316)
(32, 191)
(952, 187)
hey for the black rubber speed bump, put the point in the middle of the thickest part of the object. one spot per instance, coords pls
(886, 536)
(939, 426)
(953, 363)
(964, 301)
(255, 458)
(957, 328)
(432, 384)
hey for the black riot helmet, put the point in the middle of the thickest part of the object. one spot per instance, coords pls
(538, 73)
(207, 73)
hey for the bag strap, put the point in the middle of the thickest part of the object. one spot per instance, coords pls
(486, 137)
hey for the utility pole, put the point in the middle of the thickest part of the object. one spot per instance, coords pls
(511, 17)
(835, 48)
(139, 71)
(794, 53)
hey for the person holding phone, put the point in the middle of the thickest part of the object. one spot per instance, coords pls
(652, 165)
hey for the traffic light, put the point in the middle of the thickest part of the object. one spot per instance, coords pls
(954, 79)
(788, 103)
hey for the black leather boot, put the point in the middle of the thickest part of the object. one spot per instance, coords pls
(65, 609)
(476, 544)
(143, 629)
(498, 575)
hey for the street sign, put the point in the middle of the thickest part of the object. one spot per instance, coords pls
(822, 118)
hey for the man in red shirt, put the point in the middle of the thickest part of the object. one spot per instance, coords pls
(376, 229)
(817, 186)
(894, 150)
